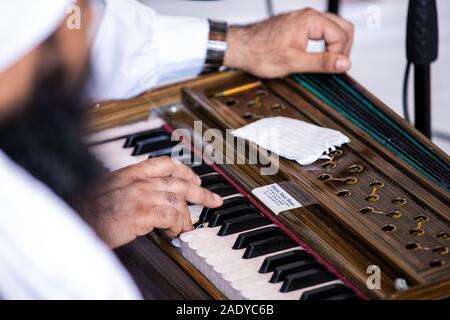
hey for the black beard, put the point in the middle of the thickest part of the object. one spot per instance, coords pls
(46, 138)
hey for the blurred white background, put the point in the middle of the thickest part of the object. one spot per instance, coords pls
(379, 51)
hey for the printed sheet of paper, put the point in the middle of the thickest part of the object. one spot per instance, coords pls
(276, 198)
(292, 139)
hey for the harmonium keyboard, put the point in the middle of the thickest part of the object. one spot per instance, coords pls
(372, 220)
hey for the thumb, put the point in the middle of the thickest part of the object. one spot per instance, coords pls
(327, 62)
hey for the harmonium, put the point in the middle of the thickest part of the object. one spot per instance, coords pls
(372, 220)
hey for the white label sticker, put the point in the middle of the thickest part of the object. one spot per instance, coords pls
(275, 198)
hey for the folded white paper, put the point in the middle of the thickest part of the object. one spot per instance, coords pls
(292, 139)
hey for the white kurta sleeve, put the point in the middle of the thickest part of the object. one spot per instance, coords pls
(135, 49)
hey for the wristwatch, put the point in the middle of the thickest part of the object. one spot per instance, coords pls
(217, 45)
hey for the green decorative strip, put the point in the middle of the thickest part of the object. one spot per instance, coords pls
(388, 131)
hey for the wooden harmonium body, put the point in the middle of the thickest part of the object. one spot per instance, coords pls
(373, 220)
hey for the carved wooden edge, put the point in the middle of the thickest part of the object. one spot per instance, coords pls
(170, 251)
(109, 114)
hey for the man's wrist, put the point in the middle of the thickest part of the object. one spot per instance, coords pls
(234, 52)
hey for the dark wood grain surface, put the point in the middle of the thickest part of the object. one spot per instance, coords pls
(157, 275)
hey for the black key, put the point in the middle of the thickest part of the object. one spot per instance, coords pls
(281, 272)
(214, 180)
(167, 152)
(326, 292)
(245, 238)
(195, 164)
(220, 216)
(244, 223)
(206, 214)
(344, 296)
(270, 263)
(266, 246)
(143, 147)
(304, 279)
(222, 191)
(202, 169)
(151, 135)
(187, 157)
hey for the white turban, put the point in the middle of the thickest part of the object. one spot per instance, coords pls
(25, 24)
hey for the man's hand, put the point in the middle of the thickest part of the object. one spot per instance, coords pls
(150, 195)
(277, 47)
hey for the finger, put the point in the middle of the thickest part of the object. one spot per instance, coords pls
(202, 196)
(320, 62)
(157, 217)
(323, 28)
(174, 231)
(191, 192)
(347, 26)
(158, 167)
(164, 218)
(182, 171)
(176, 201)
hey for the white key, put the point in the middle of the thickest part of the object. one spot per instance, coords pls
(204, 243)
(239, 281)
(123, 162)
(222, 264)
(125, 130)
(239, 269)
(189, 241)
(107, 151)
(234, 276)
(196, 210)
(114, 156)
(214, 246)
(206, 246)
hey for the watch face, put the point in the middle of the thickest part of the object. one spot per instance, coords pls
(217, 44)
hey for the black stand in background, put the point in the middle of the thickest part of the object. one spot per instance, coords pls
(333, 6)
(422, 50)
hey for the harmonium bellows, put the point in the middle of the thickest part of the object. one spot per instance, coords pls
(373, 220)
